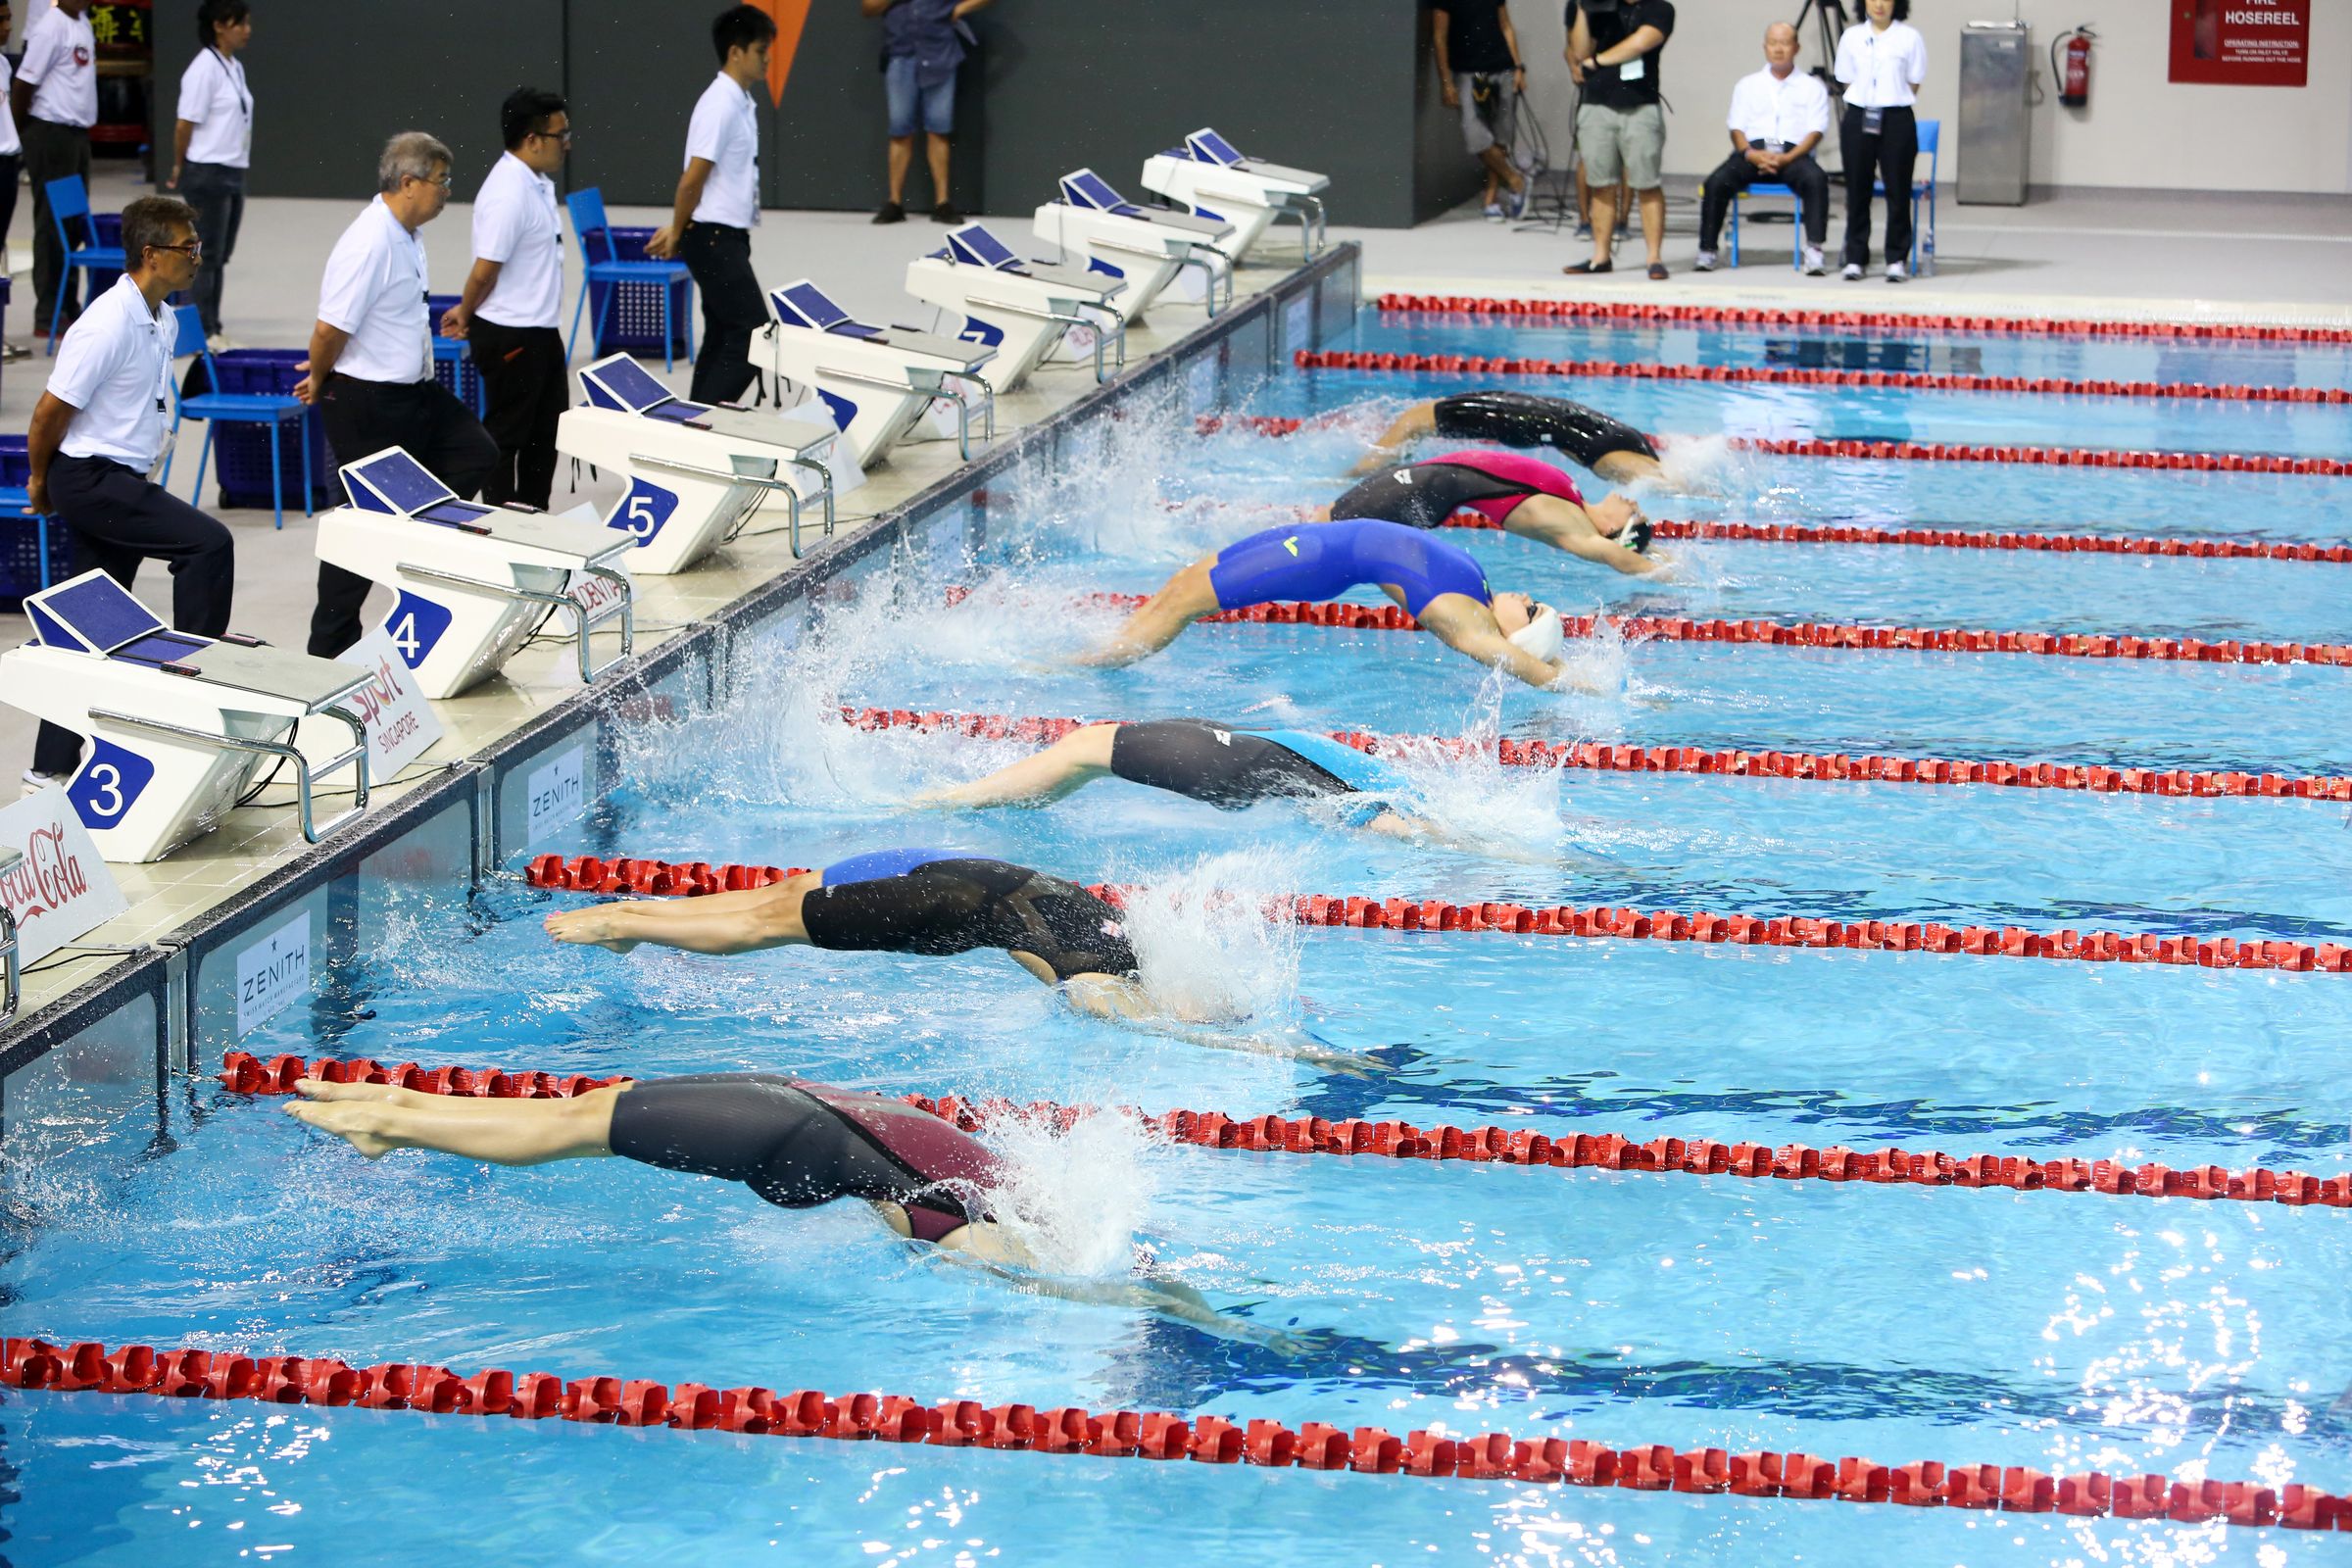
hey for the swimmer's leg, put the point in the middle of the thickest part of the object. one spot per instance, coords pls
(1630, 468)
(1077, 759)
(1187, 597)
(748, 921)
(505, 1132)
(1412, 424)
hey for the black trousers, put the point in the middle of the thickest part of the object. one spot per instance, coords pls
(1736, 174)
(423, 419)
(720, 260)
(12, 164)
(217, 193)
(52, 152)
(120, 519)
(1888, 158)
(527, 385)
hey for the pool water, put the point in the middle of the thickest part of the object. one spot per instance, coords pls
(2060, 1331)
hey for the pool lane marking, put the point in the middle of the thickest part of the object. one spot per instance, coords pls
(1810, 767)
(245, 1074)
(1797, 376)
(1633, 313)
(496, 1393)
(1267, 424)
(589, 873)
(1834, 636)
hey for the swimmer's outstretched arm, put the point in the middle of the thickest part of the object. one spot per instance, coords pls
(1159, 620)
(748, 922)
(1077, 759)
(1120, 1001)
(1470, 629)
(1411, 426)
(1568, 527)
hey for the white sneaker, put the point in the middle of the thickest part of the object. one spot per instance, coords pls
(221, 343)
(1494, 212)
(1852, 272)
(35, 782)
(1705, 261)
(1813, 262)
(1896, 272)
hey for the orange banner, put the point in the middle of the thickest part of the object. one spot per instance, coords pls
(790, 16)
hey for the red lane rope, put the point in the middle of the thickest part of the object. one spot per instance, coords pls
(2086, 544)
(91, 1366)
(1762, 316)
(588, 873)
(246, 1074)
(1789, 375)
(1842, 636)
(1269, 425)
(1818, 767)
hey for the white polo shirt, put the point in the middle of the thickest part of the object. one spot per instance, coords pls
(9, 144)
(61, 60)
(374, 289)
(725, 129)
(115, 365)
(213, 97)
(515, 224)
(1879, 69)
(1775, 110)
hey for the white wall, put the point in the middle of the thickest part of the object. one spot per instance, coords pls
(2139, 130)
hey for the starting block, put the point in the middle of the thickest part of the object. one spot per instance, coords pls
(474, 581)
(1206, 173)
(1095, 225)
(876, 380)
(176, 725)
(697, 474)
(1021, 309)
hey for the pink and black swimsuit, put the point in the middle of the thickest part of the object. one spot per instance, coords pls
(1423, 495)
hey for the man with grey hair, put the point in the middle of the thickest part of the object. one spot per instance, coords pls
(370, 369)
(1779, 116)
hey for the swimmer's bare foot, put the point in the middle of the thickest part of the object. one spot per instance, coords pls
(355, 1124)
(595, 928)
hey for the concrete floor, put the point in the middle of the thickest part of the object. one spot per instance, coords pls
(2183, 257)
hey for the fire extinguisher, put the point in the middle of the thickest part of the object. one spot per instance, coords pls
(2074, 78)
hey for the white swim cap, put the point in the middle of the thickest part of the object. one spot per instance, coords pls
(1543, 635)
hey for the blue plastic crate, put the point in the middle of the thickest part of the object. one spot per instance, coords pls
(21, 555)
(635, 321)
(452, 358)
(109, 232)
(241, 452)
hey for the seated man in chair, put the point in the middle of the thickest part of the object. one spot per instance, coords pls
(1779, 116)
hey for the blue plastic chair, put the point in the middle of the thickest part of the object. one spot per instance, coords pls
(588, 220)
(272, 409)
(69, 202)
(1930, 131)
(1772, 187)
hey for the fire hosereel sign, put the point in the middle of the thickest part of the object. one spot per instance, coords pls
(2246, 43)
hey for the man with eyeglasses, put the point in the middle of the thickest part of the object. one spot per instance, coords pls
(370, 369)
(102, 427)
(514, 295)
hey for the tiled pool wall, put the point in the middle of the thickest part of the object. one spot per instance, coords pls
(102, 1059)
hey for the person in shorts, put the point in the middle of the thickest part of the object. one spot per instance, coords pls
(1480, 76)
(1615, 51)
(923, 41)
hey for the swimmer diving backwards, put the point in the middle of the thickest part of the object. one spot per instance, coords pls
(1521, 495)
(1438, 583)
(1587, 437)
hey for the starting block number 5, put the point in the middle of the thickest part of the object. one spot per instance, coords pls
(643, 510)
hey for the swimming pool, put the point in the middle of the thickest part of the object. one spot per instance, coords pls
(2062, 1331)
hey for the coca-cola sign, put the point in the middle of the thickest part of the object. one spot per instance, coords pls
(60, 889)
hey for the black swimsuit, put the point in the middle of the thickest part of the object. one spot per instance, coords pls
(798, 1144)
(935, 903)
(1523, 420)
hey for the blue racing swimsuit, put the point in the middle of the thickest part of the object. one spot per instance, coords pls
(1323, 560)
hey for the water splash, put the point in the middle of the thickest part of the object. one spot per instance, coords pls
(1702, 464)
(1206, 944)
(1077, 1198)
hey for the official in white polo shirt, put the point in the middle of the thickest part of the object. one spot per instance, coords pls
(1779, 116)
(1881, 59)
(101, 429)
(370, 369)
(513, 298)
(710, 227)
(56, 102)
(212, 143)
